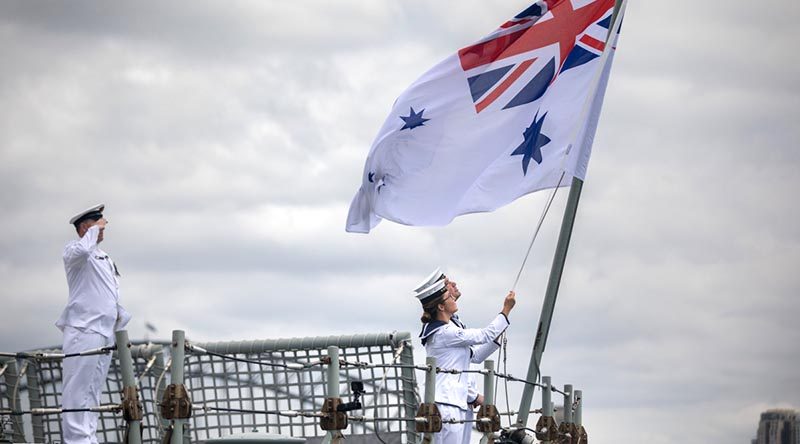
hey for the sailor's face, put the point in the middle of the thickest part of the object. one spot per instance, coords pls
(102, 223)
(449, 304)
(450, 297)
(452, 288)
(85, 225)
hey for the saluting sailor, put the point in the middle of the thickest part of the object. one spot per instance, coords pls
(89, 321)
(454, 346)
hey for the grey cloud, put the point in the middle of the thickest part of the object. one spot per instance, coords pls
(228, 140)
(217, 30)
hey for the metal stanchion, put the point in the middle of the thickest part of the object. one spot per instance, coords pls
(546, 427)
(176, 398)
(35, 400)
(567, 428)
(335, 421)
(131, 407)
(428, 410)
(582, 437)
(488, 409)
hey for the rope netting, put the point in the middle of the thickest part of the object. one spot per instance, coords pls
(219, 385)
(40, 386)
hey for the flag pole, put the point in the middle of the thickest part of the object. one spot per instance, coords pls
(549, 303)
(556, 271)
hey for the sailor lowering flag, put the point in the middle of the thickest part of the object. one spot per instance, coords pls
(495, 121)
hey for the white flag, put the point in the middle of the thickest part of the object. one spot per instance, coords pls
(500, 119)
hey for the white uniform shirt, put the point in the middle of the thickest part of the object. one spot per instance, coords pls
(455, 347)
(93, 281)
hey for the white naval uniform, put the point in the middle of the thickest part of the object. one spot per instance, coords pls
(469, 415)
(455, 347)
(89, 320)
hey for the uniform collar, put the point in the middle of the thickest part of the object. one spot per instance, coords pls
(429, 329)
(432, 327)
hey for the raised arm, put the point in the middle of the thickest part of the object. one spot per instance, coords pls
(459, 337)
(80, 251)
(455, 337)
(482, 351)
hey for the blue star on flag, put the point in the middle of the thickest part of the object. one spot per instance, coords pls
(531, 146)
(413, 120)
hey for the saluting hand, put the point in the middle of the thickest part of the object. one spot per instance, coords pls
(509, 303)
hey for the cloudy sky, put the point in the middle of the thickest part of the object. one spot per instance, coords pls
(227, 139)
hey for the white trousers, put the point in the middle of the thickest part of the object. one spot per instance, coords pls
(453, 433)
(83, 379)
(469, 415)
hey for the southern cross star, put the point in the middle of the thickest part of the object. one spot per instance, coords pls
(413, 120)
(531, 146)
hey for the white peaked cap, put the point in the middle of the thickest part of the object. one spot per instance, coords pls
(437, 275)
(431, 291)
(95, 209)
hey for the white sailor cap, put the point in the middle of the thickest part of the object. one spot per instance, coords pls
(89, 213)
(431, 292)
(437, 275)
